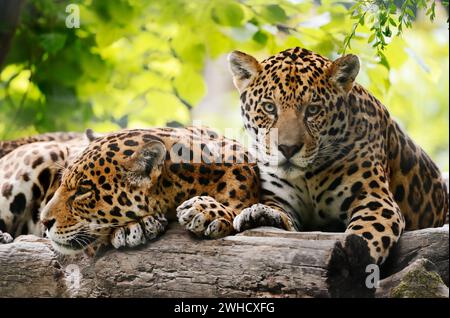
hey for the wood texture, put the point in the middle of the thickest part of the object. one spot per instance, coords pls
(263, 262)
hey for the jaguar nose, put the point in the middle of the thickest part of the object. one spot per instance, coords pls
(48, 223)
(289, 151)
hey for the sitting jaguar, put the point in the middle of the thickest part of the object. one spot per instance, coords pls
(29, 175)
(340, 162)
(124, 186)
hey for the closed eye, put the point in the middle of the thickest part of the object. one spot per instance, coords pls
(82, 193)
(83, 196)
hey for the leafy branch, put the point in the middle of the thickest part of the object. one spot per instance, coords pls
(384, 17)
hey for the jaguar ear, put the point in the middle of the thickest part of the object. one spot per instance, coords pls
(344, 70)
(244, 69)
(144, 165)
(90, 135)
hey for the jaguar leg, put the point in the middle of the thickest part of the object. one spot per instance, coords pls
(138, 233)
(259, 214)
(5, 238)
(206, 217)
(375, 225)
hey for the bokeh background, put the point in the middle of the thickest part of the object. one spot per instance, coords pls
(152, 63)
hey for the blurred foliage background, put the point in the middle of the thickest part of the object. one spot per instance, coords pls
(151, 63)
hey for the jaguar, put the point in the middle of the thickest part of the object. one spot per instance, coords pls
(10, 145)
(29, 175)
(125, 187)
(332, 158)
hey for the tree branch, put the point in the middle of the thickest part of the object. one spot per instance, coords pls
(257, 263)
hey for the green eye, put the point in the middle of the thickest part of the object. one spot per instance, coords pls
(312, 110)
(269, 108)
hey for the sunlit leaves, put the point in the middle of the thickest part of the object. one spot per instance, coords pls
(162, 108)
(228, 13)
(139, 63)
(189, 85)
(274, 14)
(384, 18)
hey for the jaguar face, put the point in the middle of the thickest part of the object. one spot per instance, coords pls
(294, 105)
(107, 186)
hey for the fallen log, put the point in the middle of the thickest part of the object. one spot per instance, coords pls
(263, 262)
(418, 280)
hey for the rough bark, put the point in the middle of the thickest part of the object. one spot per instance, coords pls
(257, 263)
(418, 280)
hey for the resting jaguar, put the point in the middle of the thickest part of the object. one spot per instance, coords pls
(124, 186)
(29, 175)
(8, 146)
(340, 161)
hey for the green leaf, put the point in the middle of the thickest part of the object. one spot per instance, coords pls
(362, 20)
(260, 37)
(383, 60)
(52, 42)
(228, 14)
(383, 18)
(410, 12)
(274, 14)
(392, 8)
(392, 22)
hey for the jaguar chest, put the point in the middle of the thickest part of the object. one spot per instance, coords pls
(314, 204)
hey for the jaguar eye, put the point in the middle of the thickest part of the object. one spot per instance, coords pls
(82, 190)
(269, 108)
(312, 110)
(82, 193)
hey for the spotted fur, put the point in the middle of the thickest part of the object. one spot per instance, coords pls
(124, 187)
(8, 146)
(340, 162)
(29, 176)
